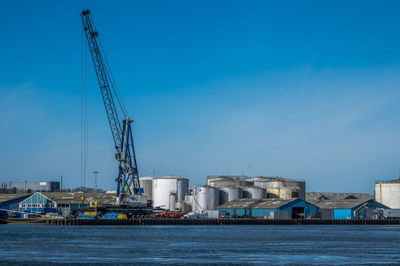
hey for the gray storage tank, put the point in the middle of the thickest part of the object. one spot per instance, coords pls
(183, 188)
(227, 194)
(146, 183)
(205, 198)
(254, 193)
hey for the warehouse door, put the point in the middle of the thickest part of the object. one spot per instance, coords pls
(298, 213)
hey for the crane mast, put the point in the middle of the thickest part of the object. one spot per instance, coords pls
(128, 177)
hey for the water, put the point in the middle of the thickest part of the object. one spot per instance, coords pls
(340, 244)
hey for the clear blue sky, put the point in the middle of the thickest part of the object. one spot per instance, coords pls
(301, 89)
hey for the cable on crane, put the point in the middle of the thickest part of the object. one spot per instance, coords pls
(128, 176)
(84, 117)
(114, 86)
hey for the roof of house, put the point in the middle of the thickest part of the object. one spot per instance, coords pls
(328, 200)
(255, 203)
(340, 204)
(75, 197)
(315, 197)
(239, 204)
(272, 203)
(8, 197)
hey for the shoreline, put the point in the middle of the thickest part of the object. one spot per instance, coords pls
(170, 221)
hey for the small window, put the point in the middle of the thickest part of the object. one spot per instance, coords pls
(295, 194)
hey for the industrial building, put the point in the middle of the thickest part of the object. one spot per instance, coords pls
(270, 208)
(345, 205)
(388, 193)
(23, 186)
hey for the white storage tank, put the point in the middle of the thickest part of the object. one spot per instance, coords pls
(388, 193)
(227, 194)
(205, 198)
(164, 186)
(254, 193)
(146, 183)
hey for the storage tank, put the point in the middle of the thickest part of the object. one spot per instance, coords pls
(227, 194)
(227, 181)
(172, 201)
(257, 181)
(283, 188)
(164, 186)
(146, 183)
(205, 198)
(388, 193)
(254, 193)
(183, 188)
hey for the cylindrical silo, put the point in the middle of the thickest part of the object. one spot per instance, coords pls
(227, 181)
(147, 184)
(388, 193)
(205, 198)
(172, 201)
(227, 194)
(283, 188)
(164, 186)
(183, 188)
(254, 193)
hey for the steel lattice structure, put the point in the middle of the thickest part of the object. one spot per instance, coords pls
(128, 177)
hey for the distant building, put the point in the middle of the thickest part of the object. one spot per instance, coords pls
(62, 202)
(34, 186)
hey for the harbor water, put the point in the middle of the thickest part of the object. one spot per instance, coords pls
(301, 244)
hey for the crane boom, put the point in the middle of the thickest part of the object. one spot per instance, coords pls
(128, 177)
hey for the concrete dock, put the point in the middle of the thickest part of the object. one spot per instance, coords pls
(158, 221)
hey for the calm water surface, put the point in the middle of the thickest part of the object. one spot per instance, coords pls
(359, 244)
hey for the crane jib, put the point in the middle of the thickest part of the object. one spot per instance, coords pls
(128, 177)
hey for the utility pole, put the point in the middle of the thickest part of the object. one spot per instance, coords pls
(95, 178)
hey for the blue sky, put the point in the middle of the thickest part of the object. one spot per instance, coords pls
(306, 90)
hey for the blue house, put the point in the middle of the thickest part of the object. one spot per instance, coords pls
(64, 203)
(295, 208)
(38, 203)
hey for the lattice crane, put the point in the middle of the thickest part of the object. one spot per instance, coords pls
(128, 177)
